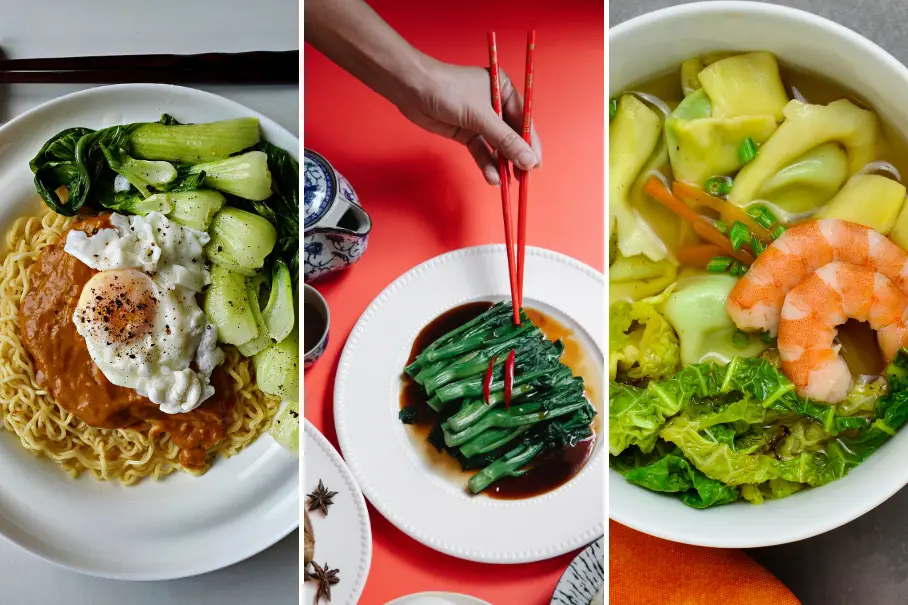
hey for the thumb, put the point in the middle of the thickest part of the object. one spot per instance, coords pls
(505, 140)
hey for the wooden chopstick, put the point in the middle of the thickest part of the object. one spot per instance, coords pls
(495, 75)
(260, 67)
(524, 183)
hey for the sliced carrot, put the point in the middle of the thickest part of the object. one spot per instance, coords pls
(712, 235)
(698, 255)
(658, 191)
(728, 211)
(702, 226)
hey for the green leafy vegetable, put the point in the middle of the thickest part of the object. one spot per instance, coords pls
(286, 427)
(642, 343)
(193, 143)
(245, 176)
(672, 473)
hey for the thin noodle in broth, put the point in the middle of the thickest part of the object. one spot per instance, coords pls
(126, 454)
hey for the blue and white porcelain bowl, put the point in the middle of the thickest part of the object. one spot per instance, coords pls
(315, 303)
(336, 226)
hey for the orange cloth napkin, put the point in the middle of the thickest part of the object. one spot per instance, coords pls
(644, 570)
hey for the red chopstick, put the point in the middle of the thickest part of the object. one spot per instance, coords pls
(524, 186)
(503, 177)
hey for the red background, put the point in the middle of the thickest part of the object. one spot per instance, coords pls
(427, 197)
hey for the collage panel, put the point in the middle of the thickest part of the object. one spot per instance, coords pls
(149, 277)
(454, 302)
(757, 302)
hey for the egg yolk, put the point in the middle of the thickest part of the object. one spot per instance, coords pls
(118, 306)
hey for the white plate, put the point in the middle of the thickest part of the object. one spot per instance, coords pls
(182, 525)
(450, 597)
(392, 473)
(583, 578)
(343, 537)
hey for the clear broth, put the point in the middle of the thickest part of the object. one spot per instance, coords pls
(859, 346)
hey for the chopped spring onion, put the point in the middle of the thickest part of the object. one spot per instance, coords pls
(612, 109)
(652, 100)
(721, 227)
(718, 186)
(739, 235)
(737, 269)
(766, 337)
(719, 264)
(778, 231)
(880, 166)
(747, 151)
(762, 216)
(740, 339)
(756, 245)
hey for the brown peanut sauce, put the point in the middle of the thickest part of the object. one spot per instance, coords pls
(64, 368)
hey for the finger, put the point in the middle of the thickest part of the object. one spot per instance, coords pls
(512, 106)
(481, 153)
(481, 118)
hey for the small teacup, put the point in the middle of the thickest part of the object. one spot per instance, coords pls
(316, 325)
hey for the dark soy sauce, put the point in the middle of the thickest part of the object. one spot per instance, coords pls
(547, 473)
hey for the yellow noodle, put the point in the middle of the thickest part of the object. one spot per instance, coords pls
(44, 428)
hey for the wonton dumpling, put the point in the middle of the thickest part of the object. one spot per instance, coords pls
(709, 146)
(806, 127)
(808, 182)
(697, 312)
(636, 277)
(633, 136)
(747, 84)
(867, 199)
(690, 69)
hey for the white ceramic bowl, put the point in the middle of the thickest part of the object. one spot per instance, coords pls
(649, 46)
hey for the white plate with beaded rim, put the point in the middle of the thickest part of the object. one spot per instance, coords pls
(432, 508)
(343, 537)
(583, 578)
(181, 525)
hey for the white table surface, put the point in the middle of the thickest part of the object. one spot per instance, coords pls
(56, 28)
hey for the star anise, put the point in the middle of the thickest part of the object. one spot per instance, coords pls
(320, 499)
(326, 578)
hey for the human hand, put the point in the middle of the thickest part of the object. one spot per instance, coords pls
(456, 102)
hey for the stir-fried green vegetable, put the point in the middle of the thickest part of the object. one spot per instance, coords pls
(548, 408)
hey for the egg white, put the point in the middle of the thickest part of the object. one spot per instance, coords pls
(162, 265)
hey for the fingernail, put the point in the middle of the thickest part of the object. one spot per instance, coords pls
(492, 178)
(526, 159)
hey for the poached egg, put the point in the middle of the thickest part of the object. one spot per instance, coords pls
(139, 316)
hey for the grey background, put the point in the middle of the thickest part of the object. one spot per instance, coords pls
(866, 561)
(49, 28)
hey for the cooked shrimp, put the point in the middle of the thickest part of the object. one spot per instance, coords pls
(756, 301)
(827, 298)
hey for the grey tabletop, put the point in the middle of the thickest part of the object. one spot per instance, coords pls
(865, 561)
(48, 28)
